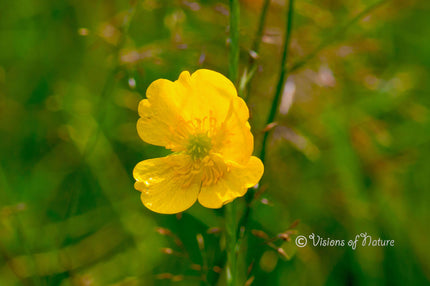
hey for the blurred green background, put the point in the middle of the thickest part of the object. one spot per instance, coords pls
(350, 153)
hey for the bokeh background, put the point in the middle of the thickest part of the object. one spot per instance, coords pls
(350, 152)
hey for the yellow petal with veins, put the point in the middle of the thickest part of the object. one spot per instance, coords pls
(160, 114)
(211, 93)
(166, 184)
(232, 185)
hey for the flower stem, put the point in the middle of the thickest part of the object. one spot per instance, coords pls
(231, 229)
(259, 33)
(275, 104)
(282, 75)
(335, 36)
(256, 48)
(230, 209)
(295, 66)
(234, 40)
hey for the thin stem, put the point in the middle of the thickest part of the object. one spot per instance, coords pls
(256, 46)
(294, 67)
(259, 34)
(326, 42)
(335, 36)
(234, 40)
(231, 229)
(282, 74)
(230, 209)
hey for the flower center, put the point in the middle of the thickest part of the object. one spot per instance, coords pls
(199, 146)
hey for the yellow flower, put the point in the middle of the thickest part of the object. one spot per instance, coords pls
(203, 121)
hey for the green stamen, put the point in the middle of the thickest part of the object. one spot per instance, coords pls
(199, 146)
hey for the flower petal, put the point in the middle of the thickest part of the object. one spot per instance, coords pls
(212, 94)
(232, 185)
(238, 143)
(164, 113)
(165, 189)
(220, 100)
(150, 128)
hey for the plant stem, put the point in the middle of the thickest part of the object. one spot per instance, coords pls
(234, 40)
(259, 34)
(282, 74)
(256, 46)
(299, 64)
(335, 36)
(275, 104)
(231, 229)
(230, 209)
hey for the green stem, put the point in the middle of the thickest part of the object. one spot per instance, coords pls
(231, 229)
(335, 36)
(282, 75)
(230, 209)
(256, 46)
(234, 40)
(299, 64)
(274, 107)
(259, 34)
(294, 67)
